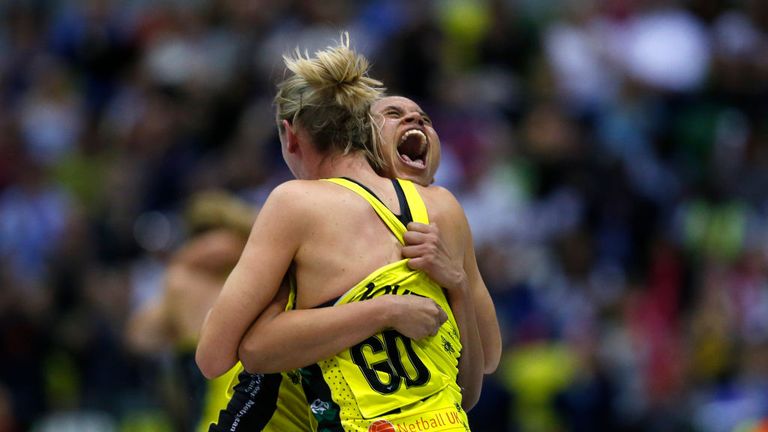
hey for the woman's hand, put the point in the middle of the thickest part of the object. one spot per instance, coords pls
(427, 252)
(413, 316)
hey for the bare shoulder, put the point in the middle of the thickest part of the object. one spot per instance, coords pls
(300, 193)
(441, 202)
(294, 206)
(294, 198)
(291, 193)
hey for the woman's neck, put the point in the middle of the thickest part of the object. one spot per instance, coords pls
(353, 165)
(356, 167)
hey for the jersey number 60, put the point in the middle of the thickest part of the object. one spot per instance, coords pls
(393, 365)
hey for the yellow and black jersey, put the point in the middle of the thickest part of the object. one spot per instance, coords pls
(389, 378)
(264, 402)
(215, 397)
(203, 398)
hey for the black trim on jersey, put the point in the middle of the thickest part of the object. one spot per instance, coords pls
(321, 404)
(366, 189)
(252, 405)
(405, 210)
(330, 302)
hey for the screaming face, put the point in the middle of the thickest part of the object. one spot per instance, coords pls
(410, 144)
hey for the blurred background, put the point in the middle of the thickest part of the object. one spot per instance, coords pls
(611, 155)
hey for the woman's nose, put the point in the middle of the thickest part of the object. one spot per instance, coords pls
(414, 117)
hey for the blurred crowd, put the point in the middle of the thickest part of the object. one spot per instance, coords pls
(611, 156)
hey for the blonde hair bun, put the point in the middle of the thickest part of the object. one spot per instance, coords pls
(339, 73)
(330, 95)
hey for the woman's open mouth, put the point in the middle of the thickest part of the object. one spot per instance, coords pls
(412, 148)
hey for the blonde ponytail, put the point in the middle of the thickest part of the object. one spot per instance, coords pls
(330, 95)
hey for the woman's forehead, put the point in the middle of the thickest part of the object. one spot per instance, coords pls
(394, 101)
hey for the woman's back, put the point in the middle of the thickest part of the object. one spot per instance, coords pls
(343, 240)
(389, 377)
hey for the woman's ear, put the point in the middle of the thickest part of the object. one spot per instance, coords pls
(291, 137)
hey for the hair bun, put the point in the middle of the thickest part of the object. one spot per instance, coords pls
(330, 96)
(340, 73)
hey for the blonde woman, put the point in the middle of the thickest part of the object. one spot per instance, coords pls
(327, 237)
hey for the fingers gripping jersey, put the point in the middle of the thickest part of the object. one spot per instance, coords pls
(389, 378)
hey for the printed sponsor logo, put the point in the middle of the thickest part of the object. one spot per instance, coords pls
(432, 421)
(381, 426)
(318, 407)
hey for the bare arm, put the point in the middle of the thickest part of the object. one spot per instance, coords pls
(428, 253)
(254, 281)
(324, 332)
(485, 312)
(455, 269)
(470, 377)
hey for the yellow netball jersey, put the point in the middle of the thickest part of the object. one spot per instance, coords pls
(265, 402)
(389, 381)
(216, 397)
